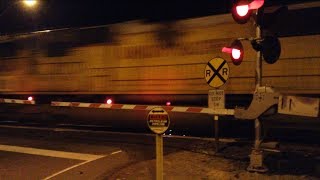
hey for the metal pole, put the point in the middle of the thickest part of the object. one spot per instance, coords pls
(259, 54)
(258, 60)
(159, 157)
(258, 82)
(257, 142)
(216, 132)
(256, 157)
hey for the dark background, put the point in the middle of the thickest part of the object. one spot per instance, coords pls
(51, 14)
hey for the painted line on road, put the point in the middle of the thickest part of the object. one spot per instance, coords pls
(87, 158)
(50, 153)
(77, 165)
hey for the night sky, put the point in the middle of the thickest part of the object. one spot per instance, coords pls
(52, 14)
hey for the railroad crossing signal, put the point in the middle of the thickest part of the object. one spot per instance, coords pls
(216, 72)
(269, 46)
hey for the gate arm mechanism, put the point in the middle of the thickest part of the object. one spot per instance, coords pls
(263, 99)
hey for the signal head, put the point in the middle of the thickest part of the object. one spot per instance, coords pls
(236, 52)
(271, 49)
(242, 9)
(241, 12)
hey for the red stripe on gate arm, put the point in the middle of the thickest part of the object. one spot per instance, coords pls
(13, 101)
(1, 100)
(140, 107)
(116, 106)
(26, 102)
(167, 108)
(94, 105)
(75, 104)
(190, 109)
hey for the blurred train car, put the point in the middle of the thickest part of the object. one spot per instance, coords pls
(152, 63)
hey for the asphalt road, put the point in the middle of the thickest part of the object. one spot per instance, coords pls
(31, 153)
(56, 153)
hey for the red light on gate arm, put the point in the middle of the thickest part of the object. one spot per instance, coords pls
(109, 101)
(30, 98)
(168, 103)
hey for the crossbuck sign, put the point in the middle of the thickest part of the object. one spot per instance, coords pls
(216, 72)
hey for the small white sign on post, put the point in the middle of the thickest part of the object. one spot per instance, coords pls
(216, 99)
(158, 121)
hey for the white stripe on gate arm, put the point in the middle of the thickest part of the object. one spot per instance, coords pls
(218, 111)
(16, 101)
(180, 109)
(105, 106)
(128, 106)
(60, 103)
(84, 105)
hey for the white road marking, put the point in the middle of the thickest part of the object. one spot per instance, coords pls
(50, 153)
(74, 166)
(67, 169)
(87, 158)
(116, 152)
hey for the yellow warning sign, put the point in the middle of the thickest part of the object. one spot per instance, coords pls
(216, 72)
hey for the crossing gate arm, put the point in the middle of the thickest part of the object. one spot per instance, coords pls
(16, 101)
(299, 106)
(219, 112)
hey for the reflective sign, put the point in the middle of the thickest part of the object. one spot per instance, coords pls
(158, 120)
(216, 72)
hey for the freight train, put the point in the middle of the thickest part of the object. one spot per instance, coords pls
(152, 63)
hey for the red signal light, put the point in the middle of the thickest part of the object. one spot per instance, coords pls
(30, 98)
(168, 103)
(236, 52)
(242, 10)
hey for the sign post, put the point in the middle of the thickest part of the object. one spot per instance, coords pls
(216, 100)
(158, 122)
(216, 74)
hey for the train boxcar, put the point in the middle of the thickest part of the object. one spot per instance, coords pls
(138, 59)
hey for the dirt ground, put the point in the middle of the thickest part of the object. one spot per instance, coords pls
(230, 163)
